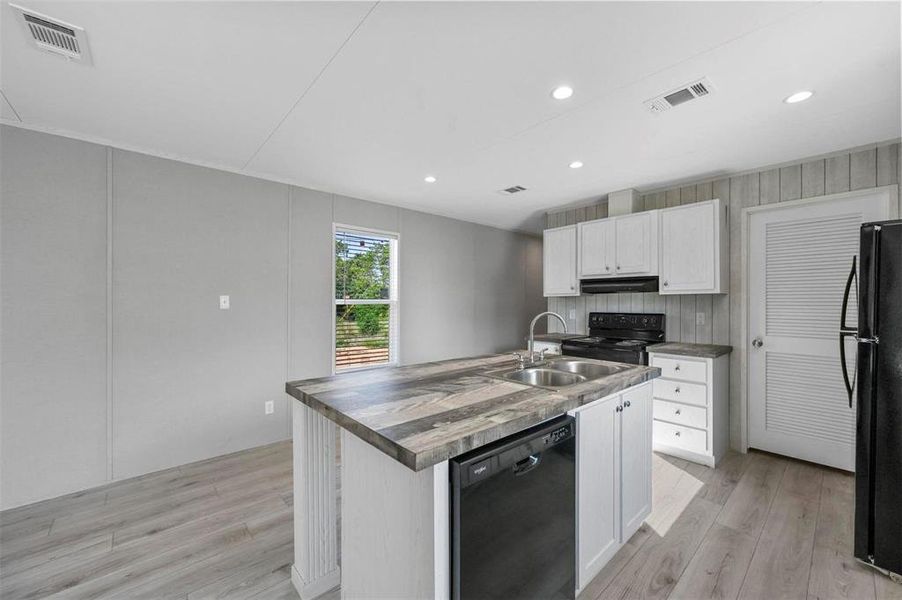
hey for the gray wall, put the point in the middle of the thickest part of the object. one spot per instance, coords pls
(116, 360)
(840, 172)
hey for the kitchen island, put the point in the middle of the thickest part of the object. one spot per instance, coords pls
(398, 428)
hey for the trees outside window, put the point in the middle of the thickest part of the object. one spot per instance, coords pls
(365, 298)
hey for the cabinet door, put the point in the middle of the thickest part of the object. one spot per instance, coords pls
(596, 248)
(688, 248)
(635, 244)
(598, 487)
(636, 436)
(559, 261)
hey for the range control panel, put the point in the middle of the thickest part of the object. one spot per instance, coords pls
(634, 321)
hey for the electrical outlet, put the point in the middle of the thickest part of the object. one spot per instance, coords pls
(223, 303)
(699, 318)
(572, 313)
(269, 407)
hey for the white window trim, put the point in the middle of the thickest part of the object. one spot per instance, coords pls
(394, 301)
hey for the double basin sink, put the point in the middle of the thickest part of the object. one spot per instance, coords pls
(560, 373)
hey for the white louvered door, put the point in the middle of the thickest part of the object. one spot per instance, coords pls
(799, 259)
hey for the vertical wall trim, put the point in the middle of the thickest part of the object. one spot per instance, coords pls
(109, 313)
(288, 295)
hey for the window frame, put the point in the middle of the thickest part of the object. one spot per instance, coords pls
(393, 301)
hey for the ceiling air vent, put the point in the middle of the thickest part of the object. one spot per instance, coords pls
(55, 36)
(512, 190)
(688, 92)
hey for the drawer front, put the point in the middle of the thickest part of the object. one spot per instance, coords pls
(681, 391)
(681, 414)
(694, 440)
(687, 370)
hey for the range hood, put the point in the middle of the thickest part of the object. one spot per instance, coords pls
(618, 284)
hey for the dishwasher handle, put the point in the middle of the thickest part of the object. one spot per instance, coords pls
(526, 465)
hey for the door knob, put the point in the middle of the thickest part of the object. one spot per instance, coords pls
(757, 342)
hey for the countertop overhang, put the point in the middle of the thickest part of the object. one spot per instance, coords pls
(426, 413)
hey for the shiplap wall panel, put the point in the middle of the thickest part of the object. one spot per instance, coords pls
(887, 165)
(722, 312)
(813, 179)
(744, 192)
(863, 169)
(721, 302)
(837, 174)
(790, 183)
(770, 186)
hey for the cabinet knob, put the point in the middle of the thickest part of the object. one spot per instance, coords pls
(666, 284)
(677, 434)
(677, 368)
(619, 408)
(676, 390)
(607, 268)
(626, 404)
(677, 411)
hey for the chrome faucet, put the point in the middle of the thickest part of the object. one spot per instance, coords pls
(532, 332)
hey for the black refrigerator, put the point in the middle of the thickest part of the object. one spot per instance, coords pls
(878, 447)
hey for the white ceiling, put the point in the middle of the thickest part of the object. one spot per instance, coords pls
(366, 99)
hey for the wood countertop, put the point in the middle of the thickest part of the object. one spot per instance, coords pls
(424, 414)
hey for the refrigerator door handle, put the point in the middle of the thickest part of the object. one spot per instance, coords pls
(845, 331)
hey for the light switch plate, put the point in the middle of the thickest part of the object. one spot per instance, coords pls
(223, 303)
(269, 407)
(572, 313)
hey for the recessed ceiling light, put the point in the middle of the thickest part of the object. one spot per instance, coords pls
(798, 97)
(562, 92)
(576, 164)
(429, 179)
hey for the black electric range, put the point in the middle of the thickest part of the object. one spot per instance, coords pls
(619, 337)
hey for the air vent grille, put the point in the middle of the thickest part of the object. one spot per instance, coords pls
(52, 35)
(681, 95)
(514, 189)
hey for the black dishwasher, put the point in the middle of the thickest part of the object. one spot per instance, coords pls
(513, 522)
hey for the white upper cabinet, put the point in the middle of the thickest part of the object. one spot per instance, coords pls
(619, 246)
(559, 261)
(636, 244)
(596, 248)
(693, 250)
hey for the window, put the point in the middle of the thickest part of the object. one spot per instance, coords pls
(366, 298)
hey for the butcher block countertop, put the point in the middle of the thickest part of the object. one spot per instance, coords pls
(427, 413)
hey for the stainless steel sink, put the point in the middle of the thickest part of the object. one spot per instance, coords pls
(589, 370)
(543, 377)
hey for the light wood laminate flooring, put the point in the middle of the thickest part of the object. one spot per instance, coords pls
(757, 527)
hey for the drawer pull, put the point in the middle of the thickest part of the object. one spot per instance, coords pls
(677, 412)
(677, 367)
(677, 434)
(676, 390)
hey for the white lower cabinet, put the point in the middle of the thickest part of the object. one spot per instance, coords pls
(613, 481)
(691, 407)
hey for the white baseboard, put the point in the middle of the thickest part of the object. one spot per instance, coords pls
(314, 589)
(702, 459)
